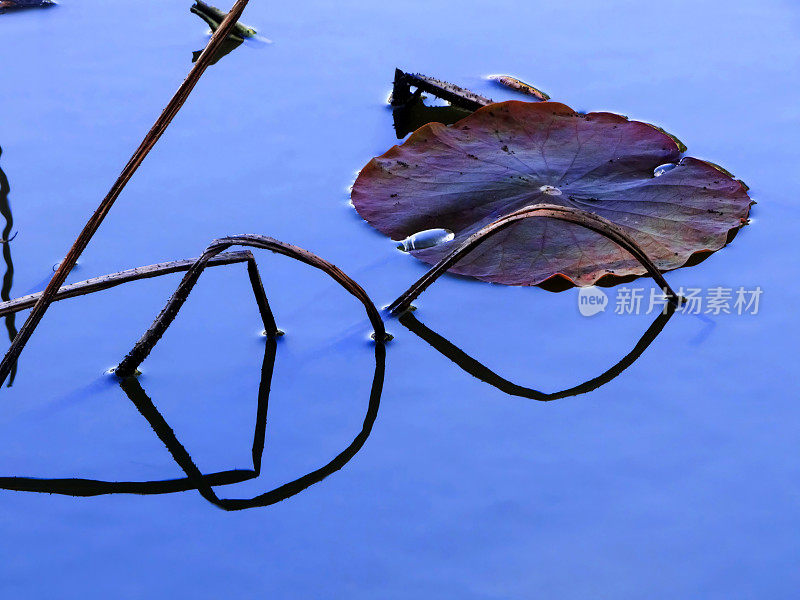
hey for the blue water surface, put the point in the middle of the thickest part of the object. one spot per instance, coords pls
(678, 479)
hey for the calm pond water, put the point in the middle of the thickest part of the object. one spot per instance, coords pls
(680, 478)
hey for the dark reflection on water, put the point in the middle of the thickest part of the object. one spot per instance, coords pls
(415, 113)
(484, 373)
(204, 483)
(228, 45)
(8, 276)
(195, 479)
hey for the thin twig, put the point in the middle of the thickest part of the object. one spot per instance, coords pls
(94, 222)
(583, 218)
(104, 282)
(128, 366)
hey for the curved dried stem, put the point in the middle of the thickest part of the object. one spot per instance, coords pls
(147, 342)
(583, 218)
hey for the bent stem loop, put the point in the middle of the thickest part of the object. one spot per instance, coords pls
(583, 218)
(147, 342)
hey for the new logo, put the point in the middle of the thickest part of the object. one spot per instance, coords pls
(591, 300)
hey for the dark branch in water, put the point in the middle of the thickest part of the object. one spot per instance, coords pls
(583, 218)
(91, 227)
(455, 95)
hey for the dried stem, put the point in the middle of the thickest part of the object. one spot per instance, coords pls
(147, 342)
(455, 95)
(583, 218)
(104, 282)
(172, 108)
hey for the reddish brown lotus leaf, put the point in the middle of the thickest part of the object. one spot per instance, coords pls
(514, 154)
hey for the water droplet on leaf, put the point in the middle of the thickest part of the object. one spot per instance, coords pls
(661, 169)
(550, 190)
(425, 239)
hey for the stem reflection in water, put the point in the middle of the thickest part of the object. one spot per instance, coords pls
(195, 479)
(484, 373)
(8, 276)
